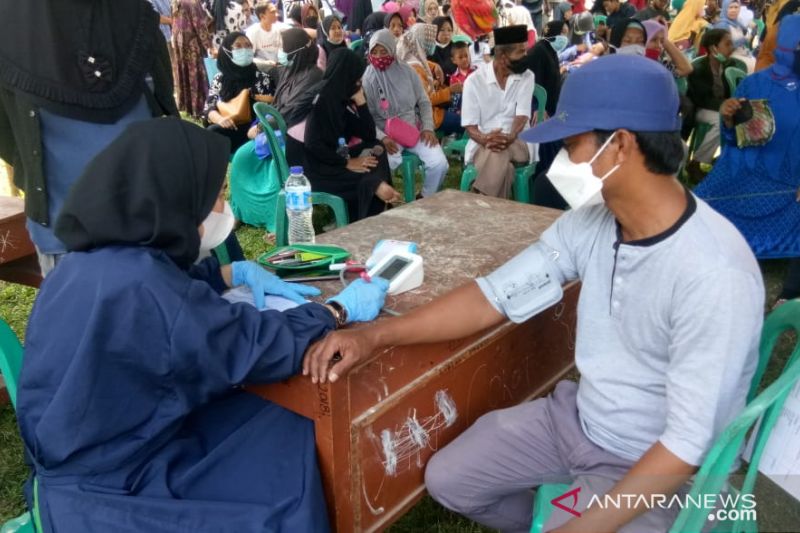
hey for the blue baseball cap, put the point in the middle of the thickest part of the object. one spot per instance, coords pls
(613, 92)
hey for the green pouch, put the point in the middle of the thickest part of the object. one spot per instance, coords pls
(302, 258)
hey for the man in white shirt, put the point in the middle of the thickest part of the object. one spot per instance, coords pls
(266, 36)
(495, 108)
(669, 318)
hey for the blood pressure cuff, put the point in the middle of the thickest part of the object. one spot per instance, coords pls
(526, 285)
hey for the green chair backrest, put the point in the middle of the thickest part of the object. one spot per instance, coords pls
(540, 93)
(733, 76)
(10, 360)
(263, 111)
(713, 475)
(357, 45)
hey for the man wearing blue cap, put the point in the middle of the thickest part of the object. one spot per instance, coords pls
(669, 319)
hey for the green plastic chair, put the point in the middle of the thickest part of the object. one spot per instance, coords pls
(521, 189)
(713, 474)
(10, 366)
(733, 76)
(408, 169)
(265, 111)
(357, 46)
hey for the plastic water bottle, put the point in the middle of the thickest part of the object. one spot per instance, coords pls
(342, 150)
(298, 207)
(279, 136)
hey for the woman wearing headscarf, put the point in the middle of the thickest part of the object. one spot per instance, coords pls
(190, 42)
(688, 25)
(299, 71)
(237, 73)
(413, 49)
(394, 23)
(730, 21)
(304, 15)
(442, 55)
(339, 111)
(775, 13)
(429, 11)
(756, 187)
(132, 343)
(394, 89)
(661, 49)
(628, 36)
(329, 39)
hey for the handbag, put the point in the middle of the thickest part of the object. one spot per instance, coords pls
(754, 123)
(237, 108)
(402, 132)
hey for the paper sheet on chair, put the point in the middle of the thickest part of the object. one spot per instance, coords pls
(244, 295)
(781, 459)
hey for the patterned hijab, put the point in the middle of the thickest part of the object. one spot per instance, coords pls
(414, 45)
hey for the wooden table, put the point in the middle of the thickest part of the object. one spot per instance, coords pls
(377, 428)
(18, 262)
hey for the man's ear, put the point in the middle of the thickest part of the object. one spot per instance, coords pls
(626, 144)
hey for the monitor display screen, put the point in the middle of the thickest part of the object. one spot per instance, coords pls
(393, 268)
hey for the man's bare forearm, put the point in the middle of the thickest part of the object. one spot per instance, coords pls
(461, 312)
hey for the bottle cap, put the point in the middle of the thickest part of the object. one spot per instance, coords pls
(296, 170)
(341, 141)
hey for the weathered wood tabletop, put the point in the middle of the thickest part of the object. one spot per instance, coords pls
(377, 428)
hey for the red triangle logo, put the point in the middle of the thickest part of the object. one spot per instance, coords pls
(573, 494)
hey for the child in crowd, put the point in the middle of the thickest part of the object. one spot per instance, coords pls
(459, 54)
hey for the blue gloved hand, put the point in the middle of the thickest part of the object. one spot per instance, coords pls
(362, 299)
(262, 282)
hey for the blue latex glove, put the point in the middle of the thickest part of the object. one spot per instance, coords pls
(363, 300)
(262, 282)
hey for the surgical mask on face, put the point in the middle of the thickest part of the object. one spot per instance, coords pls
(631, 50)
(216, 228)
(560, 43)
(720, 57)
(576, 182)
(283, 58)
(242, 56)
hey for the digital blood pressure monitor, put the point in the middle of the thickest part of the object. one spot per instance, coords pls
(403, 271)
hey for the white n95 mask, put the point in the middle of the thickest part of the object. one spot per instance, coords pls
(576, 182)
(216, 228)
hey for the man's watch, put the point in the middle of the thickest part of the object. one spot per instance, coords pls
(338, 311)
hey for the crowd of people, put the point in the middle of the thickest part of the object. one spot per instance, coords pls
(686, 116)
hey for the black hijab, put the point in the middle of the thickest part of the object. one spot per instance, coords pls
(301, 75)
(322, 37)
(372, 23)
(86, 60)
(342, 72)
(152, 186)
(234, 78)
(387, 19)
(441, 55)
(619, 29)
(296, 14)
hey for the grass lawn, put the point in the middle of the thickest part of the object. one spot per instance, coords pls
(777, 511)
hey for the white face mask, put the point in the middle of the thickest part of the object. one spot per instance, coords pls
(576, 182)
(631, 50)
(216, 228)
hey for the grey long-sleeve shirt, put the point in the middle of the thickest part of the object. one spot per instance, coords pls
(402, 88)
